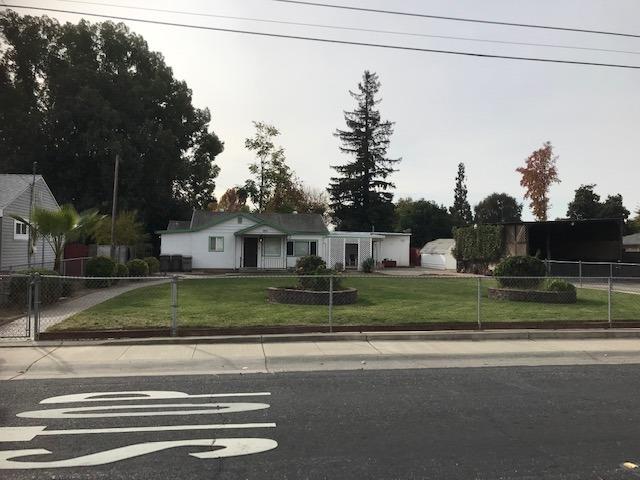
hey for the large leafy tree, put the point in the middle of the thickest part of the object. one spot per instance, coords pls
(538, 174)
(461, 210)
(360, 196)
(74, 96)
(585, 203)
(426, 219)
(498, 208)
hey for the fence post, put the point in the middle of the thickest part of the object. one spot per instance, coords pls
(37, 284)
(611, 270)
(580, 271)
(479, 288)
(609, 290)
(331, 304)
(174, 305)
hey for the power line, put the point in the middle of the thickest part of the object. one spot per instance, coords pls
(328, 40)
(356, 29)
(458, 19)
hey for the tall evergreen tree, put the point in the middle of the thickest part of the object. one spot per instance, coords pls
(360, 196)
(461, 210)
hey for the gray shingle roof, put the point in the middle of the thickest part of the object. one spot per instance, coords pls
(633, 239)
(289, 222)
(12, 185)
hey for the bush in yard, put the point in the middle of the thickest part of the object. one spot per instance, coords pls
(99, 267)
(558, 285)
(138, 268)
(121, 270)
(314, 274)
(51, 289)
(368, 265)
(520, 266)
(153, 263)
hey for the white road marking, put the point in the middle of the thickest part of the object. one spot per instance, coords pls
(231, 447)
(26, 434)
(141, 395)
(209, 408)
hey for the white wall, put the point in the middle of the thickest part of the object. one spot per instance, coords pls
(396, 247)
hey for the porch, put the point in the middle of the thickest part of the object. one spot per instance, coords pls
(262, 252)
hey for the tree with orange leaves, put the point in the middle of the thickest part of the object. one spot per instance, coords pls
(538, 174)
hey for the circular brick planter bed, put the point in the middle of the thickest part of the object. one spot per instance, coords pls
(538, 296)
(311, 297)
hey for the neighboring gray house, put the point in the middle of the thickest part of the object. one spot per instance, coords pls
(15, 196)
(631, 243)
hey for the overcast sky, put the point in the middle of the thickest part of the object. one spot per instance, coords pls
(490, 114)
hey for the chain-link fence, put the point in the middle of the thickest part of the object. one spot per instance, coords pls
(288, 303)
(15, 302)
(581, 270)
(68, 266)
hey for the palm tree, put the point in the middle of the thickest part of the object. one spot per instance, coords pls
(59, 226)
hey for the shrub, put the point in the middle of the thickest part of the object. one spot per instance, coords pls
(520, 266)
(153, 263)
(479, 244)
(314, 274)
(51, 289)
(368, 265)
(558, 285)
(99, 267)
(121, 270)
(138, 268)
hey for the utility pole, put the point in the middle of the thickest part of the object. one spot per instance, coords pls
(31, 200)
(114, 207)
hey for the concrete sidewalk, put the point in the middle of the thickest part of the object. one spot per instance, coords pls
(119, 359)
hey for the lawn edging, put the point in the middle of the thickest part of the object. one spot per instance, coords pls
(324, 329)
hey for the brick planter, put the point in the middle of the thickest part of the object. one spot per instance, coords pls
(311, 297)
(537, 296)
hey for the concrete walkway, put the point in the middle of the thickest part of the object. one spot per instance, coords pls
(51, 315)
(120, 359)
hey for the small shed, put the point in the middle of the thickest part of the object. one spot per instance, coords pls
(438, 254)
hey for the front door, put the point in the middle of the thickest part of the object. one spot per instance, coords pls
(250, 252)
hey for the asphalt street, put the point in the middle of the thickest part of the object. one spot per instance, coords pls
(567, 422)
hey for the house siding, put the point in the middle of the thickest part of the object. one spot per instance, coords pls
(13, 253)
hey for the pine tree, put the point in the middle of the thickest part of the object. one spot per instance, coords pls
(461, 210)
(360, 197)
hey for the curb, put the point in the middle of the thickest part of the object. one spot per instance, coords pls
(453, 335)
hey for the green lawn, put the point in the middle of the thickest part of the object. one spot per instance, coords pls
(227, 301)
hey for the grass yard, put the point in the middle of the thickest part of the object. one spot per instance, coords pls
(239, 302)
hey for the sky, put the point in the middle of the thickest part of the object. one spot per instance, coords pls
(489, 114)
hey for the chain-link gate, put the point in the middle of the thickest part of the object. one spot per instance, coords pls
(16, 305)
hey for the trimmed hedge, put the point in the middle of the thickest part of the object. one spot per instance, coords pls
(520, 266)
(99, 267)
(153, 263)
(311, 266)
(558, 285)
(481, 243)
(138, 268)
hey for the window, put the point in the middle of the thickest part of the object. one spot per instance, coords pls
(301, 248)
(216, 244)
(20, 231)
(271, 247)
(239, 220)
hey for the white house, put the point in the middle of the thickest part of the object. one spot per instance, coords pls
(438, 254)
(235, 240)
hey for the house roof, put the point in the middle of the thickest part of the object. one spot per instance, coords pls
(12, 185)
(291, 223)
(440, 246)
(633, 239)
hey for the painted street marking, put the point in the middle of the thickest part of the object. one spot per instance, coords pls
(217, 448)
(231, 447)
(210, 408)
(26, 434)
(140, 395)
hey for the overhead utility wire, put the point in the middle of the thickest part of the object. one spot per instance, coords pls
(327, 40)
(355, 29)
(458, 19)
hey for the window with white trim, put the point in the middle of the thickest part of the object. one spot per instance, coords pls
(216, 244)
(20, 230)
(271, 247)
(302, 248)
